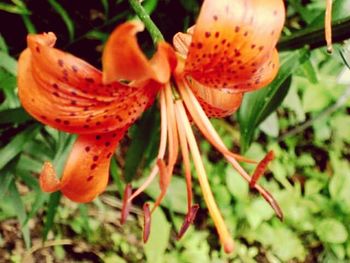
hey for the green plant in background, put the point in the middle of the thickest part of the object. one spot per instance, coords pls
(309, 134)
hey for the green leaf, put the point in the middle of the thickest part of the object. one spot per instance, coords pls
(15, 146)
(270, 125)
(25, 17)
(159, 237)
(16, 202)
(12, 116)
(176, 197)
(8, 63)
(65, 17)
(340, 10)
(315, 98)
(150, 6)
(283, 241)
(51, 212)
(105, 5)
(3, 45)
(314, 36)
(256, 106)
(237, 186)
(14, 9)
(116, 175)
(141, 140)
(7, 177)
(344, 51)
(332, 231)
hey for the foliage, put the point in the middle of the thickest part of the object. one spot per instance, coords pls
(303, 116)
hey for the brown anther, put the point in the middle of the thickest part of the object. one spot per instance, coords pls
(126, 204)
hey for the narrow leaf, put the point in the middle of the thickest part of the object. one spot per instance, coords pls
(65, 17)
(15, 146)
(8, 63)
(17, 203)
(51, 212)
(13, 9)
(258, 105)
(141, 136)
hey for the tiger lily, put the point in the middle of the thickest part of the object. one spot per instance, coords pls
(230, 51)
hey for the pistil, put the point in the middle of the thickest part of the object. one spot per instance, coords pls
(214, 211)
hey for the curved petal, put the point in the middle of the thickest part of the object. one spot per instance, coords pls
(67, 93)
(123, 59)
(233, 44)
(217, 103)
(86, 171)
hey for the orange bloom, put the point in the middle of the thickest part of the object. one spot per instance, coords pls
(231, 50)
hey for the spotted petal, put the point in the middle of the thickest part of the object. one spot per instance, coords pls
(86, 171)
(233, 43)
(68, 94)
(216, 103)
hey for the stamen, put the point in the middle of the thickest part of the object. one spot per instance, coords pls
(328, 25)
(173, 146)
(202, 121)
(224, 235)
(146, 222)
(164, 181)
(191, 215)
(48, 179)
(186, 160)
(162, 146)
(204, 124)
(126, 204)
(261, 168)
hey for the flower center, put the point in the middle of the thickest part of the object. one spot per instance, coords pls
(176, 134)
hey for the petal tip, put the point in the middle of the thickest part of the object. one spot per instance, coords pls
(48, 179)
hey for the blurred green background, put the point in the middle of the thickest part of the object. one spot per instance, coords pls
(303, 116)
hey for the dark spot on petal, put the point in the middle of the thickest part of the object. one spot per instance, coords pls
(207, 34)
(90, 177)
(89, 80)
(237, 28)
(107, 144)
(215, 17)
(60, 62)
(199, 45)
(66, 122)
(217, 34)
(93, 166)
(95, 158)
(98, 137)
(58, 120)
(75, 68)
(109, 155)
(56, 94)
(55, 86)
(37, 49)
(87, 149)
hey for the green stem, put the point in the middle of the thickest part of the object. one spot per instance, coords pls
(314, 37)
(146, 19)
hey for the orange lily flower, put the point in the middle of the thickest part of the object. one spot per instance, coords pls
(231, 50)
(67, 93)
